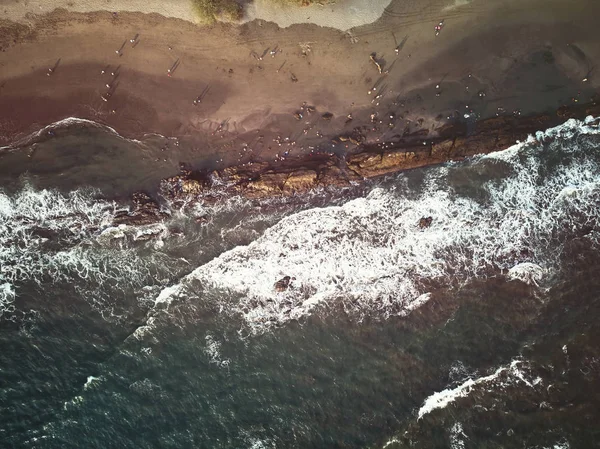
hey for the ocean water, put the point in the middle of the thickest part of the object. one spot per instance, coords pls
(478, 331)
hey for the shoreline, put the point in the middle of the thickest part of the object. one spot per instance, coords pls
(259, 95)
(264, 180)
(454, 143)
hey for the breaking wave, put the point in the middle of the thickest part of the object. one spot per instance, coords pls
(509, 213)
(48, 238)
(57, 126)
(502, 376)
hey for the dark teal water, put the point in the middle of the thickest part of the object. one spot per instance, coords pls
(88, 360)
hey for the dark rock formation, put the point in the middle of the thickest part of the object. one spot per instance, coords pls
(259, 179)
(425, 222)
(447, 143)
(145, 211)
(283, 284)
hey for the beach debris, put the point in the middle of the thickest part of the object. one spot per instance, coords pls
(375, 86)
(120, 50)
(438, 27)
(399, 46)
(306, 107)
(200, 97)
(51, 70)
(173, 68)
(425, 222)
(223, 126)
(110, 84)
(275, 50)
(392, 117)
(481, 94)
(305, 47)
(349, 118)
(373, 57)
(293, 78)
(104, 70)
(387, 71)
(380, 94)
(112, 87)
(352, 37)
(298, 115)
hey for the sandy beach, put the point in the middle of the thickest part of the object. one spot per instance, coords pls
(240, 92)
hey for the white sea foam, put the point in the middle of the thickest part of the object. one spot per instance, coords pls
(69, 121)
(256, 443)
(457, 436)
(413, 305)
(213, 351)
(371, 254)
(527, 272)
(7, 297)
(390, 442)
(48, 237)
(91, 381)
(441, 399)
(141, 331)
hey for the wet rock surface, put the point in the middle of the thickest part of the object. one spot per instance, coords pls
(144, 211)
(453, 142)
(283, 284)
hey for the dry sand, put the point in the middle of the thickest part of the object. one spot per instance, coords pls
(519, 56)
(342, 14)
(22, 10)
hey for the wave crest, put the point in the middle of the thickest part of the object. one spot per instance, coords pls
(371, 254)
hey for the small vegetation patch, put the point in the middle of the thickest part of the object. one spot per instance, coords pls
(209, 11)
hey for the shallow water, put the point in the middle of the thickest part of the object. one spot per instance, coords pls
(172, 335)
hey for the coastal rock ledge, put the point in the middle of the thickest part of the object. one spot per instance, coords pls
(451, 143)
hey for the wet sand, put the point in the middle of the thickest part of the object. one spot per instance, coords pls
(503, 57)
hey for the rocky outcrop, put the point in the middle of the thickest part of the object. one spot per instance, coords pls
(449, 143)
(260, 179)
(425, 222)
(283, 284)
(456, 142)
(144, 211)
